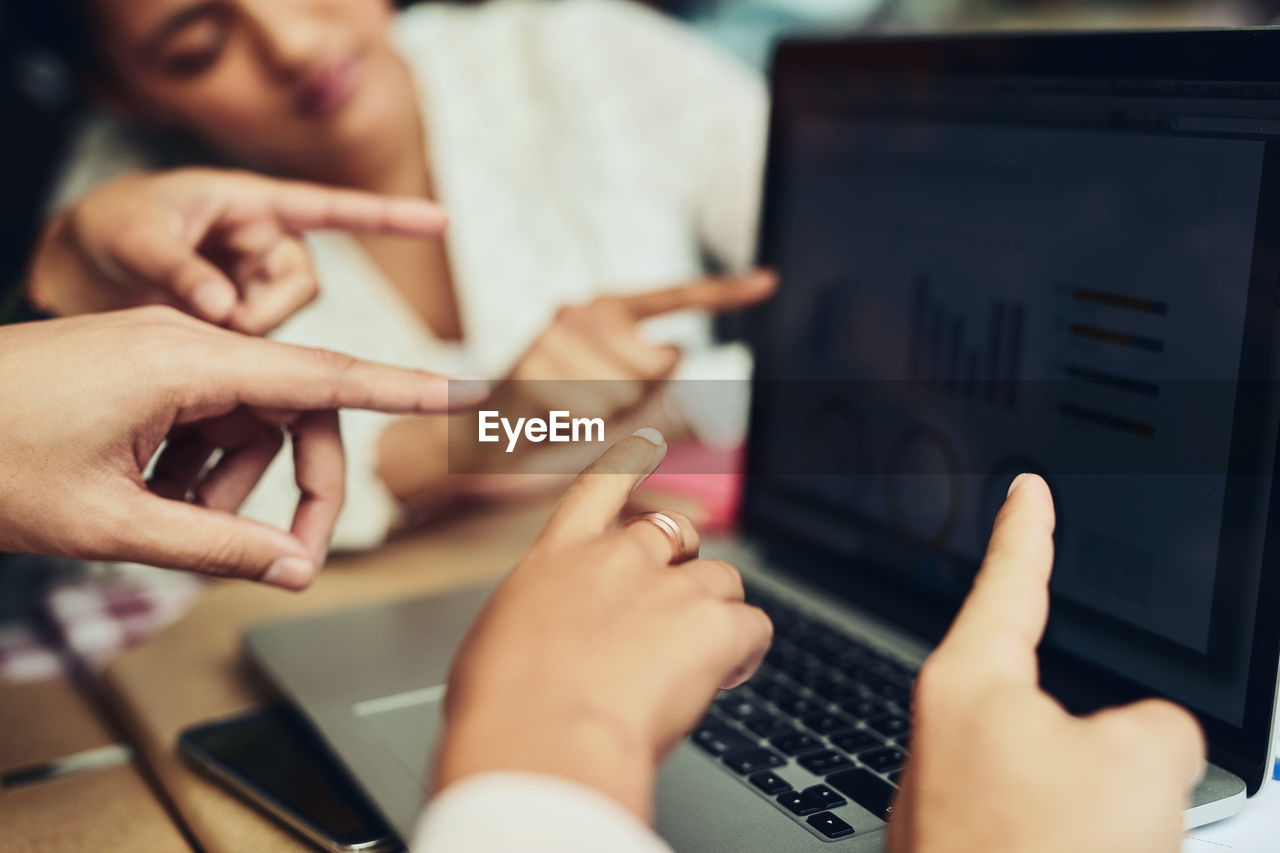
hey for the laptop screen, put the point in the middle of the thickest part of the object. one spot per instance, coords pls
(994, 261)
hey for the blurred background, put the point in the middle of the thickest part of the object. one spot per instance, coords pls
(39, 112)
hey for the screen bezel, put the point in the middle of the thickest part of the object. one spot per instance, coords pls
(1241, 55)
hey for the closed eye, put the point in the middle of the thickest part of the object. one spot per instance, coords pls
(191, 41)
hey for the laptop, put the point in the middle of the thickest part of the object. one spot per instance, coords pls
(1056, 253)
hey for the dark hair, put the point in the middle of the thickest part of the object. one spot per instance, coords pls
(63, 28)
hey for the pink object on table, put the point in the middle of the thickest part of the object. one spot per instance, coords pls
(710, 477)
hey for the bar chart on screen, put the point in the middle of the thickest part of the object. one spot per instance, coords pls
(971, 352)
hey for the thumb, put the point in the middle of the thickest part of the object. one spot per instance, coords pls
(1168, 734)
(154, 257)
(176, 535)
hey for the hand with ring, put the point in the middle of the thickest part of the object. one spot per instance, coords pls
(610, 642)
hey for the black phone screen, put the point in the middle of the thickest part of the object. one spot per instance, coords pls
(275, 755)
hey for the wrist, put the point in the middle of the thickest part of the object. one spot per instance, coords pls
(579, 745)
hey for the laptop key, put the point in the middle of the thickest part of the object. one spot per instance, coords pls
(867, 790)
(834, 691)
(771, 783)
(823, 762)
(794, 743)
(784, 657)
(752, 760)
(855, 741)
(862, 708)
(771, 689)
(766, 725)
(896, 777)
(795, 705)
(799, 803)
(737, 707)
(822, 794)
(889, 725)
(883, 760)
(830, 825)
(718, 739)
(825, 723)
(895, 694)
(806, 675)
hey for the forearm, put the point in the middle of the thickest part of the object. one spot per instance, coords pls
(428, 463)
(413, 459)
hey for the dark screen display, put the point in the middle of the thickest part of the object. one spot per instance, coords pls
(986, 274)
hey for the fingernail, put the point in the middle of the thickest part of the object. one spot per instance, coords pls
(290, 573)
(655, 438)
(1017, 481)
(212, 300)
(651, 435)
(468, 390)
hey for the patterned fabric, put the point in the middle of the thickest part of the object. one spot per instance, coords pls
(66, 618)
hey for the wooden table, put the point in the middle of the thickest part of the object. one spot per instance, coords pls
(193, 672)
(111, 808)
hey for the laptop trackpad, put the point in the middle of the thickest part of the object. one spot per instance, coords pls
(407, 724)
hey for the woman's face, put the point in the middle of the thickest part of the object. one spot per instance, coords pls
(286, 84)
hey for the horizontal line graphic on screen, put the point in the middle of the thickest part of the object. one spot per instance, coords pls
(1101, 418)
(1111, 336)
(1113, 380)
(1119, 300)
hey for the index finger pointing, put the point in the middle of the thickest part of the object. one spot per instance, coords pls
(266, 374)
(708, 294)
(591, 505)
(1009, 603)
(301, 206)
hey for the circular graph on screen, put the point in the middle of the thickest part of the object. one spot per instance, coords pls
(837, 443)
(996, 485)
(923, 486)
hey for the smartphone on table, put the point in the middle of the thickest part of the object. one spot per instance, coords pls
(272, 758)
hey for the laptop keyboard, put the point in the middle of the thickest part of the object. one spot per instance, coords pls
(823, 724)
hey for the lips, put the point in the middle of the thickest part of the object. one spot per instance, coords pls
(328, 89)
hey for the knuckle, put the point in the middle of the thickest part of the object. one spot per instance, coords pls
(134, 237)
(226, 558)
(683, 587)
(630, 551)
(765, 624)
(728, 573)
(715, 616)
(332, 366)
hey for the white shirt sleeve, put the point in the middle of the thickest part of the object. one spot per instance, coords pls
(502, 812)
